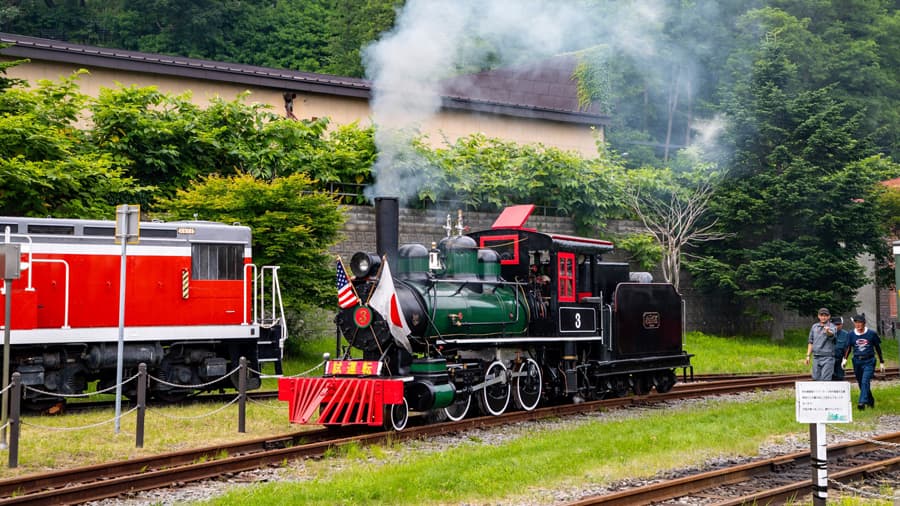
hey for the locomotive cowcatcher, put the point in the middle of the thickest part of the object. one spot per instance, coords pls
(489, 321)
(194, 304)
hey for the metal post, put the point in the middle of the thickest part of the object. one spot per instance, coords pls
(120, 349)
(10, 257)
(819, 457)
(242, 396)
(4, 413)
(141, 405)
(14, 421)
(127, 228)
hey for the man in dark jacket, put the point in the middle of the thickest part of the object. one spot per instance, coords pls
(841, 342)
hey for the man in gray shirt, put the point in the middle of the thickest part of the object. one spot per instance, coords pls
(821, 347)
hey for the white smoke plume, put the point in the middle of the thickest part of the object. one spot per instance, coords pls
(432, 39)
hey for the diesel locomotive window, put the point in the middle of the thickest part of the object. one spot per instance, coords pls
(217, 261)
(51, 229)
(99, 231)
(166, 233)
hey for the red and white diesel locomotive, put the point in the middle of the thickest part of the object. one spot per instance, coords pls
(194, 304)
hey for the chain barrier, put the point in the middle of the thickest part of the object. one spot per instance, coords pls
(4, 426)
(200, 386)
(171, 417)
(3, 390)
(844, 486)
(306, 372)
(855, 490)
(89, 394)
(876, 442)
(82, 427)
(277, 407)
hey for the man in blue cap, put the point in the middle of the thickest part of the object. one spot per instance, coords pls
(841, 342)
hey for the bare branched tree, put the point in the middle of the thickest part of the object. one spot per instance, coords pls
(675, 224)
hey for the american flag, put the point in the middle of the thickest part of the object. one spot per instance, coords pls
(346, 294)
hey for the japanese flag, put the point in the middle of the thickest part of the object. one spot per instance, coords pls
(384, 300)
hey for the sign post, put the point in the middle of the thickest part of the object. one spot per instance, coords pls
(819, 403)
(896, 251)
(127, 232)
(10, 255)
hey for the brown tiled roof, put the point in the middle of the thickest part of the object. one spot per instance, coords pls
(542, 92)
(546, 85)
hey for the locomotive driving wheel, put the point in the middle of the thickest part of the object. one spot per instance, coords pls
(396, 416)
(528, 385)
(494, 398)
(620, 386)
(460, 408)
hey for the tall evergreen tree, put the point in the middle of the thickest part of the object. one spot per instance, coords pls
(800, 197)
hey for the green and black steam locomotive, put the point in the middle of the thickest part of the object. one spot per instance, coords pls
(488, 321)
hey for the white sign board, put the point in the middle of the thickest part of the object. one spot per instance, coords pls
(823, 402)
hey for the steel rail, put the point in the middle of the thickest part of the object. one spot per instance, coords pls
(111, 479)
(671, 489)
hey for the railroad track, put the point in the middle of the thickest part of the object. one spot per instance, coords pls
(770, 481)
(112, 479)
(260, 395)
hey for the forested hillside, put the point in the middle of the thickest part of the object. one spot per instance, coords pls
(312, 35)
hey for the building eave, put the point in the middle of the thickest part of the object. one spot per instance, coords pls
(34, 48)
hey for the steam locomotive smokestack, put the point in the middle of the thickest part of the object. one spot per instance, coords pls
(387, 228)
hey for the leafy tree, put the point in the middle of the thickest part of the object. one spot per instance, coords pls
(353, 25)
(283, 34)
(251, 138)
(344, 161)
(167, 141)
(643, 249)
(790, 196)
(46, 167)
(293, 226)
(489, 173)
(151, 136)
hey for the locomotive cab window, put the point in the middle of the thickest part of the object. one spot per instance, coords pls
(217, 261)
(566, 276)
(507, 246)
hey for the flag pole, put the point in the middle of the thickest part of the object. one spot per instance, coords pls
(341, 261)
(380, 270)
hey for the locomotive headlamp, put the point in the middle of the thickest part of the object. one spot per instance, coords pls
(364, 264)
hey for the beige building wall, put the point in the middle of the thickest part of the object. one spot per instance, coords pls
(447, 125)
(567, 136)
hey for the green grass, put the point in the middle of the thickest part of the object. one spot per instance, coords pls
(534, 462)
(758, 354)
(616, 450)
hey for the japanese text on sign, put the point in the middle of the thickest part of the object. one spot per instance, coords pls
(823, 402)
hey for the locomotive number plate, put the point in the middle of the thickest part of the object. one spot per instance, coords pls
(577, 319)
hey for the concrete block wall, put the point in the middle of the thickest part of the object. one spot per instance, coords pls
(703, 313)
